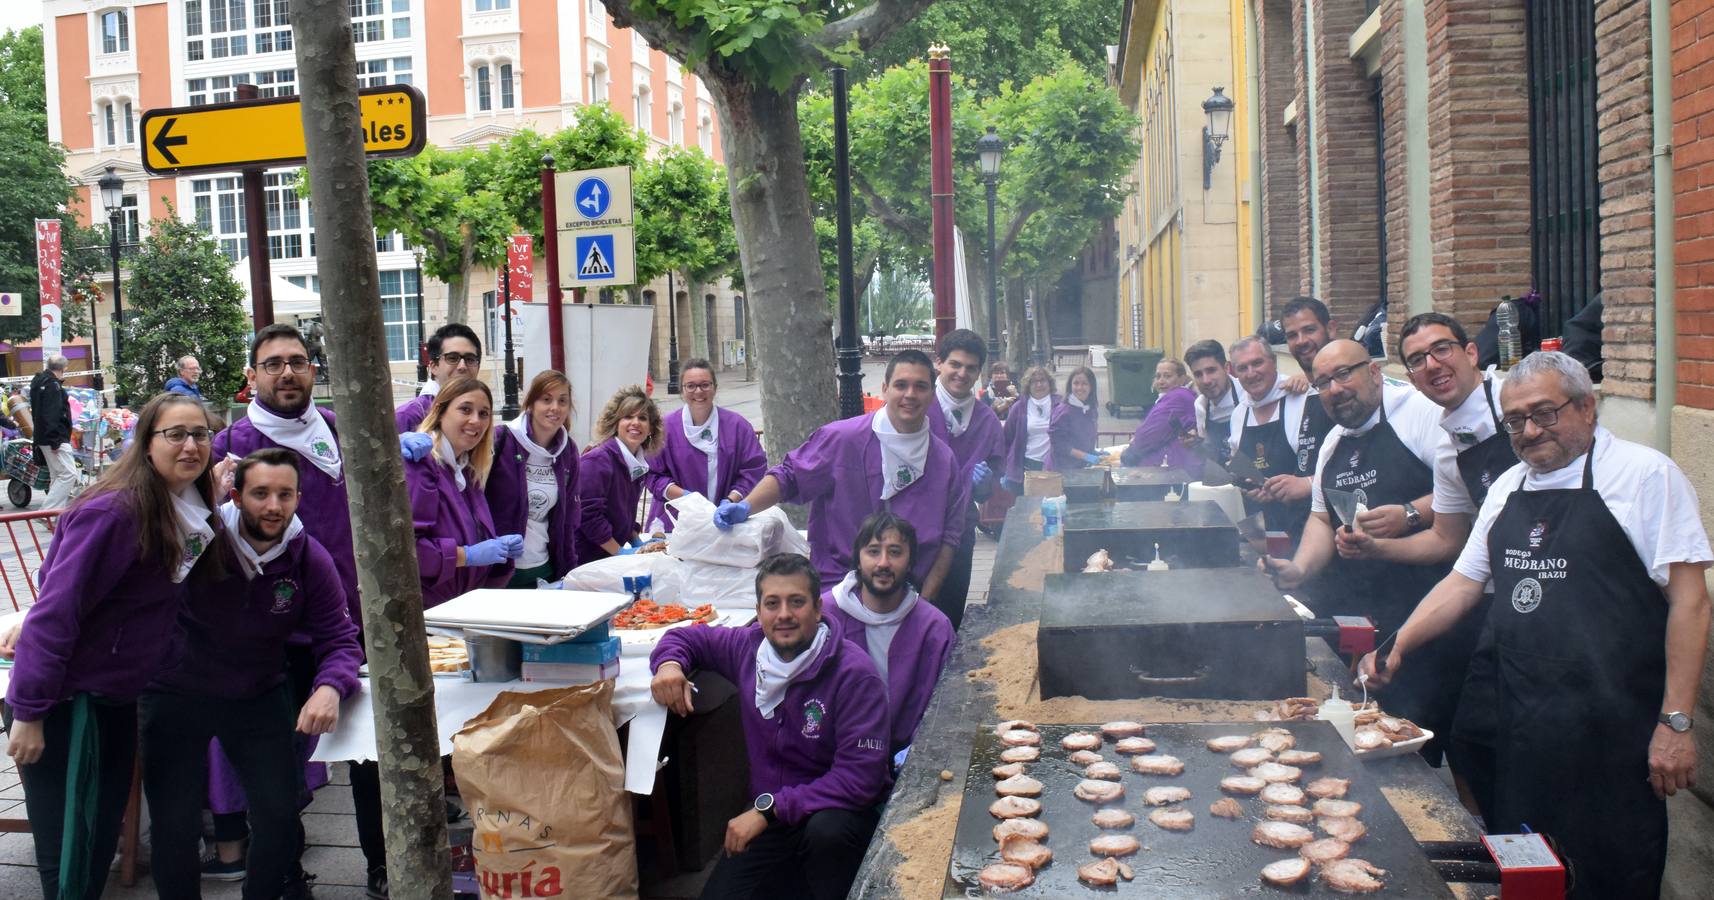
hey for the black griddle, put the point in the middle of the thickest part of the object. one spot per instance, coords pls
(1214, 860)
(1148, 482)
(1193, 534)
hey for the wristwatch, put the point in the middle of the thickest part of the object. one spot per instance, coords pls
(765, 806)
(1412, 517)
(1675, 720)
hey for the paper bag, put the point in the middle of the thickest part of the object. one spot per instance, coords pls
(543, 778)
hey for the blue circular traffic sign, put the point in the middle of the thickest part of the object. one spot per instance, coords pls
(593, 197)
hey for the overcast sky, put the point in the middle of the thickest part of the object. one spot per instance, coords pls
(19, 14)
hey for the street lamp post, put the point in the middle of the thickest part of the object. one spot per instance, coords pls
(509, 410)
(1219, 108)
(989, 149)
(113, 198)
(422, 352)
(672, 335)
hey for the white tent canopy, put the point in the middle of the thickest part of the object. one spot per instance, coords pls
(289, 299)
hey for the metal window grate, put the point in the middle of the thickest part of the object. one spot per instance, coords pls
(1564, 159)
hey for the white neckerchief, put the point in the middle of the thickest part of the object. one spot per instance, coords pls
(1221, 410)
(195, 534)
(431, 387)
(1277, 392)
(879, 629)
(705, 437)
(635, 466)
(254, 562)
(774, 675)
(443, 452)
(520, 428)
(957, 411)
(1072, 399)
(1473, 422)
(307, 433)
(1040, 410)
(904, 457)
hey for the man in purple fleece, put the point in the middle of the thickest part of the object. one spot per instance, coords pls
(889, 459)
(908, 640)
(1158, 439)
(454, 351)
(974, 433)
(816, 728)
(230, 683)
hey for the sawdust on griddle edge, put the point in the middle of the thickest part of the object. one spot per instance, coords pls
(1033, 568)
(924, 841)
(1424, 814)
(1011, 669)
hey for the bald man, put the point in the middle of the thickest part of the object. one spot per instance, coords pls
(1382, 448)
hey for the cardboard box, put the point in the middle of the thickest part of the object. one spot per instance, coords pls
(573, 653)
(557, 673)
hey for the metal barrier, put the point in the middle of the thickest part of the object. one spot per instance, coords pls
(25, 542)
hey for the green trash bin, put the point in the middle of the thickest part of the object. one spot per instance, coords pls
(1131, 379)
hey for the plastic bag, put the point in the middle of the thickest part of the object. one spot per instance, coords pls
(745, 545)
(608, 575)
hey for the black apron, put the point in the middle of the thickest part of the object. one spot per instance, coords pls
(1275, 454)
(1472, 748)
(1383, 471)
(1219, 437)
(1579, 636)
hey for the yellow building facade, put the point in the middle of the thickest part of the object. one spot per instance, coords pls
(1186, 267)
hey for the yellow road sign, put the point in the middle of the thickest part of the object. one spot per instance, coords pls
(269, 132)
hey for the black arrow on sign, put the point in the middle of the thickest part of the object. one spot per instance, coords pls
(162, 141)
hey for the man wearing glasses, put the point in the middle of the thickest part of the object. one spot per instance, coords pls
(1599, 626)
(454, 351)
(1382, 450)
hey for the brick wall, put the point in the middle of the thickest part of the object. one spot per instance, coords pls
(1393, 151)
(1282, 201)
(1693, 203)
(1478, 142)
(1345, 165)
(1300, 153)
(1622, 117)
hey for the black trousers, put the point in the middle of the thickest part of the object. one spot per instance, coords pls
(300, 677)
(45, 788)
(818, 858)
(256, 734)
(955, 590)
(366, 805)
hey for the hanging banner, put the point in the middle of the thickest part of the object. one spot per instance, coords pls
(518, 254)
(48, 261)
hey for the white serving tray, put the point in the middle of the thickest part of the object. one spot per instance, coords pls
(1398, 749)
(527, 611)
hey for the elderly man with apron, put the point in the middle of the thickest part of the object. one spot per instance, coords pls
(1599, 630)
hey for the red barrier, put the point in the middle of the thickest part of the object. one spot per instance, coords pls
(26, 539)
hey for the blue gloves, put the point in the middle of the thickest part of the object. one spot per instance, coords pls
(980, 472)
(730, 514)
(1092, 458)
(550, 585)
(415, 445)
(494, 552)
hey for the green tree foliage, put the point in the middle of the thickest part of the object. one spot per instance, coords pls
(448, 203)
(600, 139)
(898, 302)
(23, 79)
(684, 218)
(181, 299)
(998, 41)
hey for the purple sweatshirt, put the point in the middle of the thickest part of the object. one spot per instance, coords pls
(445, 519)
(235, 629)
(1017, 436)
(741, 462)
(838, 473)
(1157, 437)
(412, 412)
(919, 650)
(608, 498)
(825, 747)
(1072, 431)
(982, 441)
(509, 501)
(105, 621)
(323, 507)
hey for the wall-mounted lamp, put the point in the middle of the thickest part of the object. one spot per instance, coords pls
(1219, 109)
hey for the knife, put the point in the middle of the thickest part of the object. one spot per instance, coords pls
(1251, 530)
(1344, 503)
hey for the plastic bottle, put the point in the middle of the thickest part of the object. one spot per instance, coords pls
(1052, 509)
(1338, 713)
(1510, 344)
(1158, 564)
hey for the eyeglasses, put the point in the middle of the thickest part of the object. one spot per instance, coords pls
(461, 359)
(1543, 418)
(698, 386)
(178, 435)
(1342, 375)
(1441, 351)
(275, 365)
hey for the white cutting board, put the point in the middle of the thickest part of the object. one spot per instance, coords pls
(527, 609)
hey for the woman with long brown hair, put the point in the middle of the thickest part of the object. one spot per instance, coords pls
(112, 588)
(612, 479)
(532, 487)
(458, 548)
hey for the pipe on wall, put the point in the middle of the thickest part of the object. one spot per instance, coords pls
(1665, 301)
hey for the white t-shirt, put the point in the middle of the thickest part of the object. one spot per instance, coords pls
(1466, 425)
(1644, 489)
(1415, 419)
(1036, 440)
(542, 488)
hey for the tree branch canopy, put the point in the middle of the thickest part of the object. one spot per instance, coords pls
(872, 24)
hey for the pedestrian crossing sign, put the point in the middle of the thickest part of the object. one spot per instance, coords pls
(597, 258)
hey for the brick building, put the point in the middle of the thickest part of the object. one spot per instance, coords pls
(487, 68)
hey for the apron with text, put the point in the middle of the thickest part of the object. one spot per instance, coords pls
(1383, 471)
(1579, 637)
